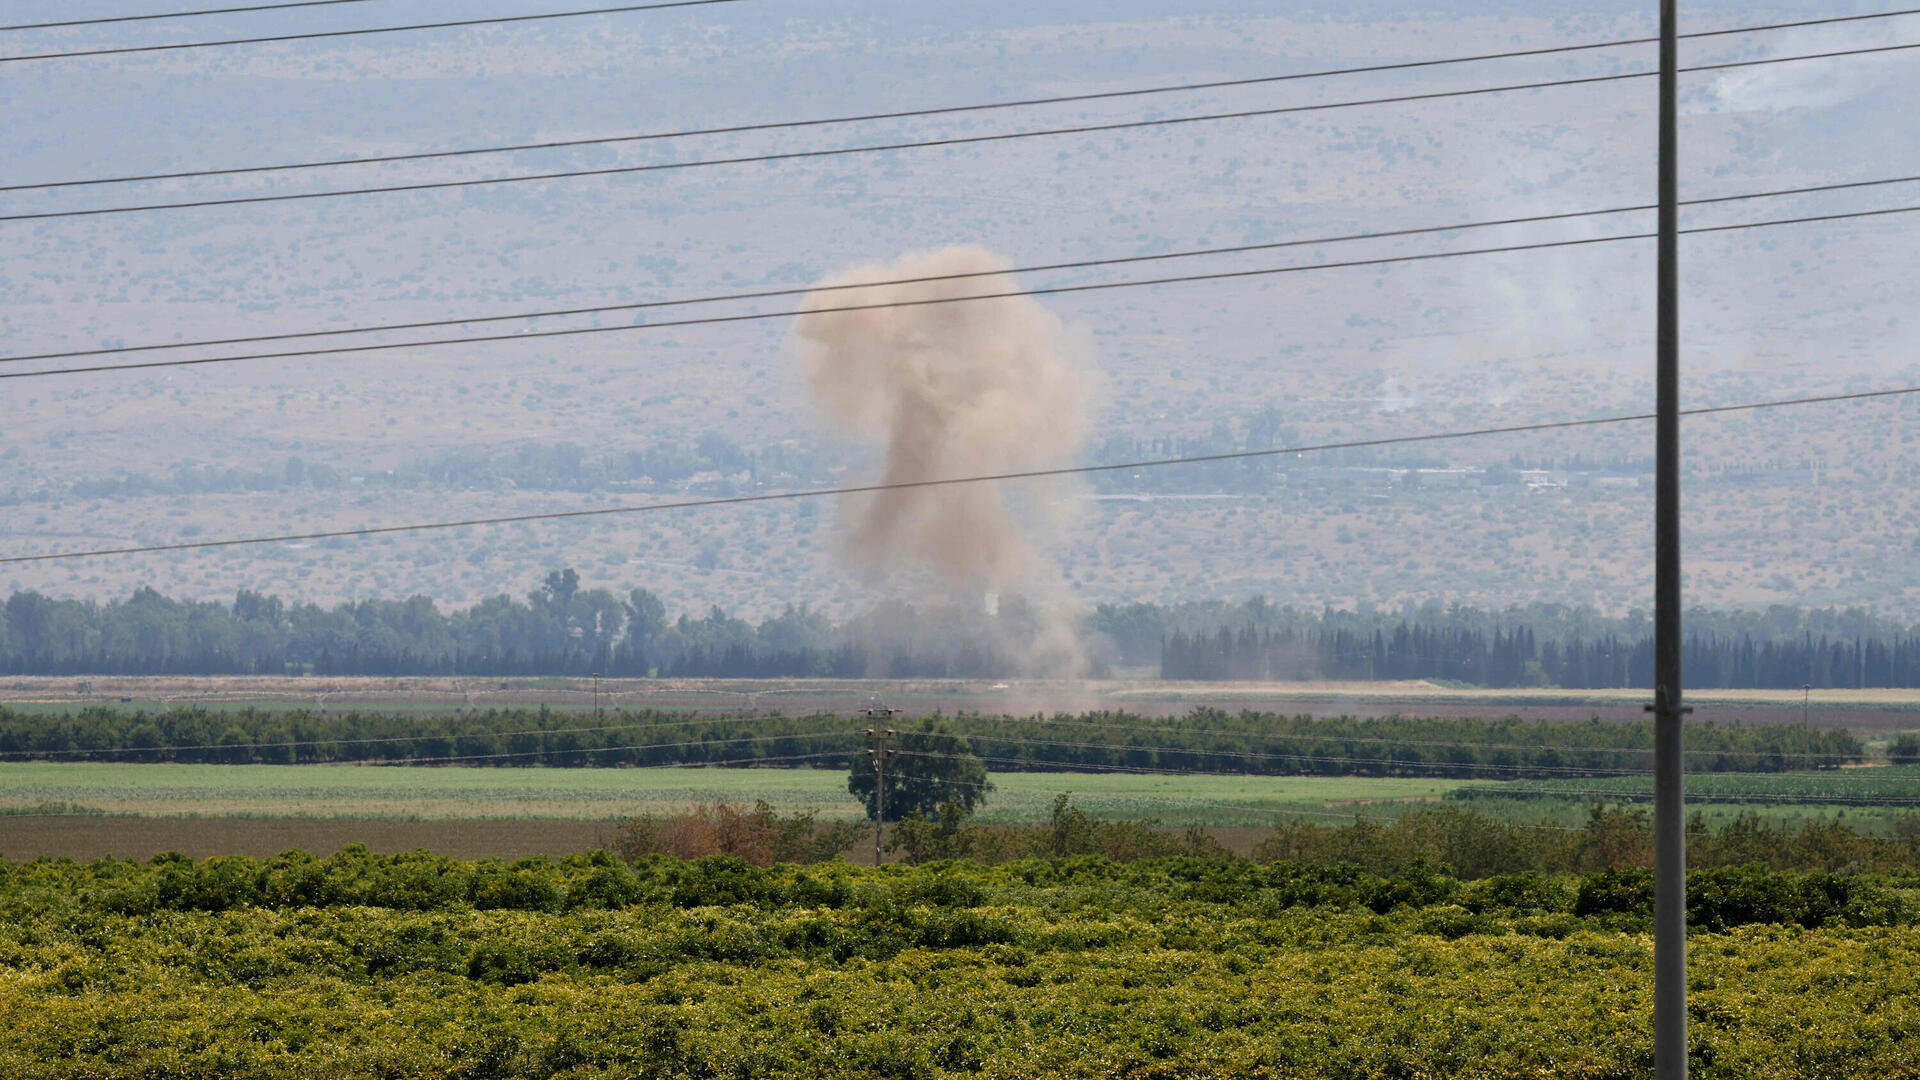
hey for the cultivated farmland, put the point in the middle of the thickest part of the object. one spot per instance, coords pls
(456, 793)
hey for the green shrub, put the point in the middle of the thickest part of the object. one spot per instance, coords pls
(1616, 892)
(1528, 893)
(1905, 750)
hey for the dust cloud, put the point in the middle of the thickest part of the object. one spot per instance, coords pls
(950, 390)
(947, 389)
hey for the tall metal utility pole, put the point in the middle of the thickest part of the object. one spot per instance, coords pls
(880, 752)
(1669, 784)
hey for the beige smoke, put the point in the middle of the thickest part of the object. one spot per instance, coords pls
(948, 390)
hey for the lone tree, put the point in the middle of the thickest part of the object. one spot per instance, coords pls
(928, 769)
(1905, 750)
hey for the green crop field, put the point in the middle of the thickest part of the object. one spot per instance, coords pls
(428, 794)
(1885, 785)
(1879, 801)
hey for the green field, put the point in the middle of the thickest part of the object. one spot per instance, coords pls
(436, 794)
(1884, 785)
(1880, 801)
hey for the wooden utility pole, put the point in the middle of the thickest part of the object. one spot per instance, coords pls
(1669, 780)
(880, 752)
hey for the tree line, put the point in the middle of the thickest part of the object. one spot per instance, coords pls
(1516, 657)
(566, 627)
(1205, 740)
(560, 628)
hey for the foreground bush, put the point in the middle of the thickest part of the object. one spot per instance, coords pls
(361, 965)
(1719, 899)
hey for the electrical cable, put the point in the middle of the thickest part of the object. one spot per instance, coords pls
(1029, 474)
(1083, 264)
(456, 758)
(977, 736)
(1136, 798)
(182, 14)
(1396, 762)
(445, 758)
(958, 140)
(316, 35)
(1129, 770)
(1707, 796)
(1073, 766)
(1105, 95)
(1324, 759)
(1190, 800)
(715, 320)
(1574, 748)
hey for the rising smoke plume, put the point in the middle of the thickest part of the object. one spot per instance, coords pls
(946, 390)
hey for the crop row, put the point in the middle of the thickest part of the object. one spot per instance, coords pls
(1206, 740)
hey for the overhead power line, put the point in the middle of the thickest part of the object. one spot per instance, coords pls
(1083, 264)
(1028, 474)
(1249, 807)
(1377, 740)
(958, 140)
(973, 736)
(183, 14)
(715, 320)
(1246, 807)
(1530, 793)
(1711, 796)
(523, 754)
(316, 35)
(1368, 741)
(1409, 763)
(785, 125)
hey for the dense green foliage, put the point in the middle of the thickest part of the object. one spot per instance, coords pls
(564, 627)
(362, 965)
(1905, 750)
(1460, 841)
(355, 877)
(561, 628)
(1205, 740)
